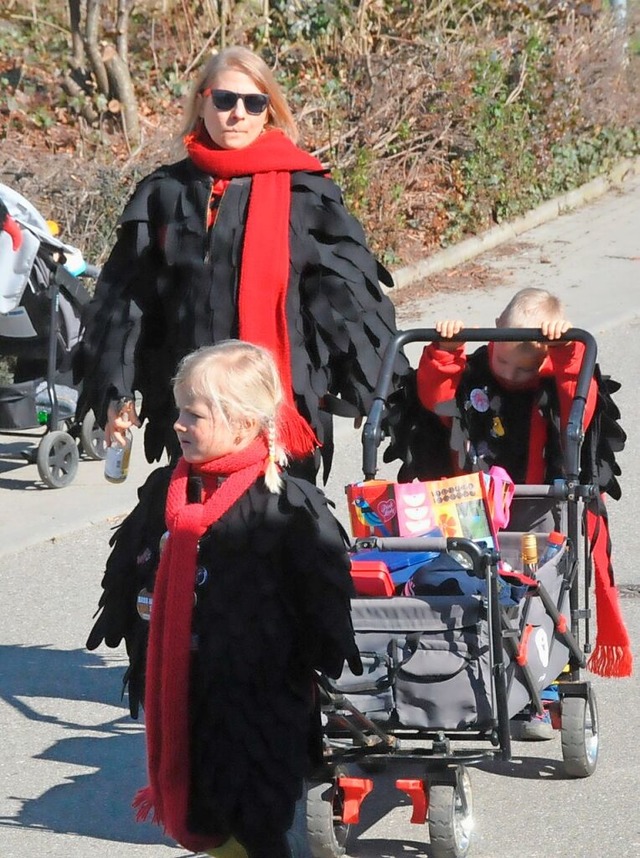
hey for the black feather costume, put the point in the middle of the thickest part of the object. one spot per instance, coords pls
(272, 606)
(170, 286)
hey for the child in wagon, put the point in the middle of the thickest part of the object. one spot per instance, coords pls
(508, 404)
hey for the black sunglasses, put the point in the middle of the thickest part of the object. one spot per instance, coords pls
(255, 103)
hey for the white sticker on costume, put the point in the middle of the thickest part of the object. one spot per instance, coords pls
(541, 642)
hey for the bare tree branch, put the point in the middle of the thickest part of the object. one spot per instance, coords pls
(91, 45)
(122, 29)
(122, 88)
(77, 45)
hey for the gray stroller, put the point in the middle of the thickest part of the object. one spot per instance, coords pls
(41, 296)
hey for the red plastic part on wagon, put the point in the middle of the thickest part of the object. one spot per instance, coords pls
(372, 578)
(417, 792)
(355, 790)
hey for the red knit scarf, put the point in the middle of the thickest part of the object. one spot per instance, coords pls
(612, 655)
(264, 273)
(167, 691)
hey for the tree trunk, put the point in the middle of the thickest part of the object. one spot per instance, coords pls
(225, 14)
(76, 91)
(121, 88)
(122, 29)
(91, 46)
(77, 46)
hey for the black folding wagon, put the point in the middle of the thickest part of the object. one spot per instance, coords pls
(445, 673)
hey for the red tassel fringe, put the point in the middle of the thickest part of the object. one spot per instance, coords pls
(144, 805)
(611, 661)
(295, 434)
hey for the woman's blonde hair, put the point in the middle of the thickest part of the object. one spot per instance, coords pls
(529, 308)
(238, 58)
(239, 380)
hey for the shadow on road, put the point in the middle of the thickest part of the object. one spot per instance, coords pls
(36, 682)
(527, 768)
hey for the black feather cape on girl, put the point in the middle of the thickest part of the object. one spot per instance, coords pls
(271, 607)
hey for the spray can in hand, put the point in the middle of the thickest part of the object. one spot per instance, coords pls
(116, 463)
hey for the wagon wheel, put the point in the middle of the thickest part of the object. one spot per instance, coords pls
(451, 816)
(92, 437)
(57, 459)
(327, 833)
(579, 735)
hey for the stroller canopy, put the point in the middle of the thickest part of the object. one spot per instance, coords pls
(16, 265)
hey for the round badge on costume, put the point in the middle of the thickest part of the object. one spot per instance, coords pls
(163, 542)
(143, 604)
(201, 576)
(479, 399)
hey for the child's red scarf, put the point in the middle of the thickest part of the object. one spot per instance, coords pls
(612, 655)
(264, 273)
(167, 691)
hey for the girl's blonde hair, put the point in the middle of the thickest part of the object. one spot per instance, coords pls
(529, 308)
(241, 59)
(239, 380)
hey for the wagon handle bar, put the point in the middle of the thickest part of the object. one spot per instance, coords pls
(372, 431)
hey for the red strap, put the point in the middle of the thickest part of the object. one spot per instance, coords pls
(521, 656)
(14, 231)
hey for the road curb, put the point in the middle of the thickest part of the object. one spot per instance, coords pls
(492, 238)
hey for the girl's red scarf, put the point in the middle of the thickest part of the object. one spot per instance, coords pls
(168, 658)
(264, 273)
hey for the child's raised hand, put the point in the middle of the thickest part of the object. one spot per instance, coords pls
(554, 330)
(448, 328)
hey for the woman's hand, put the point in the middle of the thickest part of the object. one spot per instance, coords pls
(121, 416)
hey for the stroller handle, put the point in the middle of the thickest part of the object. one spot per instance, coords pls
(372, 433)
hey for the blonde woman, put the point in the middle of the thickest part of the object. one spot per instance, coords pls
(246, 237)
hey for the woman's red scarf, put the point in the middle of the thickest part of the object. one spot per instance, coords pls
(264, 273)
(168, 657)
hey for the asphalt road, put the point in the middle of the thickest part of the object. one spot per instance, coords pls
(71, 758)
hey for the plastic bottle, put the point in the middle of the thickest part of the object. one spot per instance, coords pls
(555, 543)
(529, 552)
(116, 463)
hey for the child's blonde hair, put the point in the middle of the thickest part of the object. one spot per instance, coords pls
(529, 308)
(238, 380)
(241, 59)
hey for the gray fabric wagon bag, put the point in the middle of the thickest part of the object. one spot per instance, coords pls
(426, 662)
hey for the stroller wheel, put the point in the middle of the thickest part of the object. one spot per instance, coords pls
(451, 816)
(57, 459)
(92, 437)
(326, 831)
(579, 735)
